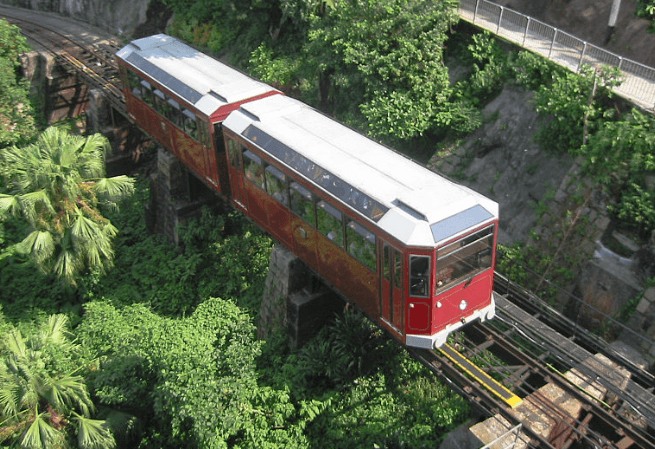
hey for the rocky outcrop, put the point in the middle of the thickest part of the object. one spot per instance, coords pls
(121, 17)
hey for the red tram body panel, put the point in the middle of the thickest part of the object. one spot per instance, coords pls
(180, 96)
(413, 250)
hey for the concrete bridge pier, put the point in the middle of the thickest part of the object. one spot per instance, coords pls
(175, 195)
(296, 299)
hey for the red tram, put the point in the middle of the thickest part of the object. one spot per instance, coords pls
(179, 96)
(415, 251)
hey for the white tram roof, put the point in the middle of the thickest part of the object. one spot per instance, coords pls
(405, 199)
(201, 80)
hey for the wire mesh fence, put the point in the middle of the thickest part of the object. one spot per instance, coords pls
(561, 47)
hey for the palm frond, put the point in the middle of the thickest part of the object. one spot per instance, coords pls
(39, 245)
(67, 392)
(9, 203)
(93, 434)
(67, 265)
(16, 344)
(9, 393)
(55, 331)
(114, 189)
(29, 202)
(84, 229)
(92, 156)
(39, 435)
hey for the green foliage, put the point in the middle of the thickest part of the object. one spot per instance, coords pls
(235, 25)
(575, 103)
(636, 208)
(490, 67)
(57, 186)
(386, 57)
(279, 71)
(44, 402)
(532, 70)
(646, 10)
(193, 379)
(377, 412)
(17, 124)
(621, 156)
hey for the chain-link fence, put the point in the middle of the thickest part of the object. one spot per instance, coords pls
(561, 47)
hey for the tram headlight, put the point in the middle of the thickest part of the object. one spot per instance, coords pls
(463, 305)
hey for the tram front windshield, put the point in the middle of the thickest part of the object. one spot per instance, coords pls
(463, 259)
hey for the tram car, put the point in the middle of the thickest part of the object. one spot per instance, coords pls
(413, 250)
(180, 96)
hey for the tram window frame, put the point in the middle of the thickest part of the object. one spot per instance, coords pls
(302, 203)
(254, 169)
(386, 262)
(463, 259)
(190, 124)
(203, 132)
(277, 184)
(160, 102)
(361, 244)
(419, 276)
(234, 153)
(398, 271)
(174, 114)
(146, 93)
(329, 221)
(133, 81)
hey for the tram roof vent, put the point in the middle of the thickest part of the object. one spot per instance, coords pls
(408, 209)
(218, 96)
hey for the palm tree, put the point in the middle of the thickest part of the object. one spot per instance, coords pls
(41, 405)
(57, 184)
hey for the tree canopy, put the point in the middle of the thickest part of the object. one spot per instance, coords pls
(58, 186)
(16, 112)
(387, 57)
(44, 401)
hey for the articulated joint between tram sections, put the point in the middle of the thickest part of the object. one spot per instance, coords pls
(437, 340)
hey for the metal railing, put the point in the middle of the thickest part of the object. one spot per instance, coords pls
(512, 439)
(561, 47)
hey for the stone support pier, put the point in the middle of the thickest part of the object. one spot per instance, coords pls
(170, 200)
(295, 299)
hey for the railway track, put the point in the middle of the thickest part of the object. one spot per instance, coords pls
(571, 397)
(516, 349)
(92, 61)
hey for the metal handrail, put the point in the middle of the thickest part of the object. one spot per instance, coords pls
(560, 47)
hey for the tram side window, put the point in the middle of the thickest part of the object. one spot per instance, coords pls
(233, 153)
(361, 244)
(464, 258)
(146, 93)
(329, 222)
(386, 262)
(252, 165)
(190, 125)
(173, 112)
(203, 132)
(134, 83)
(419, 276)
(302, 203)
(276, 184)
(398, 270)
(160, 102)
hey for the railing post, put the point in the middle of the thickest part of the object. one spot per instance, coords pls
(500, 18)
(550, 51)
(584, 49)
(475, 13)
(525, 34)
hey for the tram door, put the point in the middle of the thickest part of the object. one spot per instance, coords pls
(236, 173)
(391, 291)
